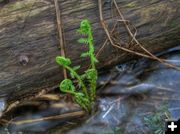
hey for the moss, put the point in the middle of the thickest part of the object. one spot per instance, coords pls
(173, 24)
(117, 130)
(155, 121)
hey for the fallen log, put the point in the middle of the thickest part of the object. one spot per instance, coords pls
(29, 41)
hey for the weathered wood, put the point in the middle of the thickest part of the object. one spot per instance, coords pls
(29, 41)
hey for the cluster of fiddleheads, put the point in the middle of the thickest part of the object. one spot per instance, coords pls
(86, 93)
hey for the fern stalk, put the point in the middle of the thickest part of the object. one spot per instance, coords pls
(84, 97)
(79, 80)
(85, 28)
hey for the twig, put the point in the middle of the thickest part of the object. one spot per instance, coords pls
(109, 36)
(60, 32)
(106, 41)
(55, 117)
(137, 42)
(151, 56)
(122, 48)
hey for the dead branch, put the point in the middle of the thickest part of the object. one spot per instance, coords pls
(60, 32)
(133, 36)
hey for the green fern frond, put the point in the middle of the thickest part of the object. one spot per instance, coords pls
(67, 86)
(91, 74)
(86, 54)
(95, 59)
(85, 26)
(83, 101)
(75, 68)
(85, 98)
(63, 61)
(83, 40)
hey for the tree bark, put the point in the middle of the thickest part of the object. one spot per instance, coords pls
(29, 41)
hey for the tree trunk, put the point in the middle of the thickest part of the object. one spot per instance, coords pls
(29, 41)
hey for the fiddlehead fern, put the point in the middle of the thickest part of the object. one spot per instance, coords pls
(85, 97)
(91, 74)
(67, 86)
(66, 62)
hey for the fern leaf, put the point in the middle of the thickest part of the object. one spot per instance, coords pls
(83, 76)
(91, 74)
(95, 59)
(79, 31)
(82, 101)
(85, 26)
(86, 54)
(67, 86)
(63, 61)
(72, 75)
(83, 40)
(76, 67)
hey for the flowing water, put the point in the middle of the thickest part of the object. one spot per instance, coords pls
(127, 93)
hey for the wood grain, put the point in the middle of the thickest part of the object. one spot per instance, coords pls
(29, 41)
